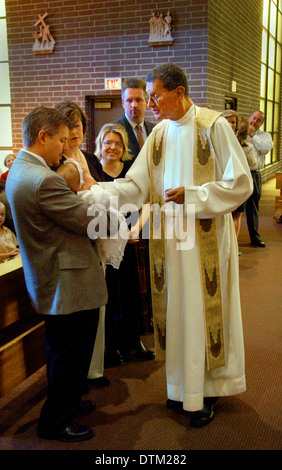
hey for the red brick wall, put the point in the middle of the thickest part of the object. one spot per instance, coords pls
(94, 40)
(214, 41)
(234, 53)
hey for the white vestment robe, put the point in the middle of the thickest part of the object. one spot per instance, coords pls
(188, 379)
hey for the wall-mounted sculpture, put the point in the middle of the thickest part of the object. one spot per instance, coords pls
(43, 40)
(160, 29)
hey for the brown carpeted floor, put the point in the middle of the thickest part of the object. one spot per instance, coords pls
(131, 413)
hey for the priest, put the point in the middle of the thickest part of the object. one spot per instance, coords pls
(194, 173)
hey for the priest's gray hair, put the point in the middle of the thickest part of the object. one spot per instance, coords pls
(171, 75)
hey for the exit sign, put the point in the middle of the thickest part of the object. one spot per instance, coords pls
(112, 83)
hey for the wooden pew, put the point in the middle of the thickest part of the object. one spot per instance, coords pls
(22, 332)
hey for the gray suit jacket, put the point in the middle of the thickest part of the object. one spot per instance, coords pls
(63, 272)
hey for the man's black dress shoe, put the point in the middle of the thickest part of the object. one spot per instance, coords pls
(205, 415)
(142, 352)
(174, 405)
(72, 433)
(258, 243)
(125, 354)
(100, 382)
(112, 358)
(85, 408)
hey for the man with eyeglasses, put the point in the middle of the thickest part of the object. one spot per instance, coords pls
(194, 172)
(262, 143)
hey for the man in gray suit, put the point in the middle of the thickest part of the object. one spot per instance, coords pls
(63, 274)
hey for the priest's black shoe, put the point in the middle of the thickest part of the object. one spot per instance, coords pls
(203, 417)
(142, 352)
(125, 354)
(174, 405)
(112, 357)
(73, 433)
(258, 243)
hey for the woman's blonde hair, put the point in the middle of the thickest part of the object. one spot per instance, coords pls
(115, 129)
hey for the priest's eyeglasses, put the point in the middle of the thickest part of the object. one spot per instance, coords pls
(156, 99)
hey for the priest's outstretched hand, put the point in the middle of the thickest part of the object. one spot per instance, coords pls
(175, 195)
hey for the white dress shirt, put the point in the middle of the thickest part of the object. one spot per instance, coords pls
(262, 143)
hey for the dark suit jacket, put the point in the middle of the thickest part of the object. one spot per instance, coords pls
(62, 270)
(132, 140)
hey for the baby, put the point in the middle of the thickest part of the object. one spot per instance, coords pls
(110, 249)
(8, 241)
(248, 148)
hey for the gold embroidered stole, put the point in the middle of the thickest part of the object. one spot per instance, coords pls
(203, 172)
(157, 246)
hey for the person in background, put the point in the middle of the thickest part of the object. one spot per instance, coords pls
(262, 143)
(78, 125)
(134, 102)
(248, 149)
(232, 117)
(8, 162)
(9, 245)
(3, 198)
(63, 273)
(124, 313)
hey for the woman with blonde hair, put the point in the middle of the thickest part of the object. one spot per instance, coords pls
(125, 319)
(112, 150)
